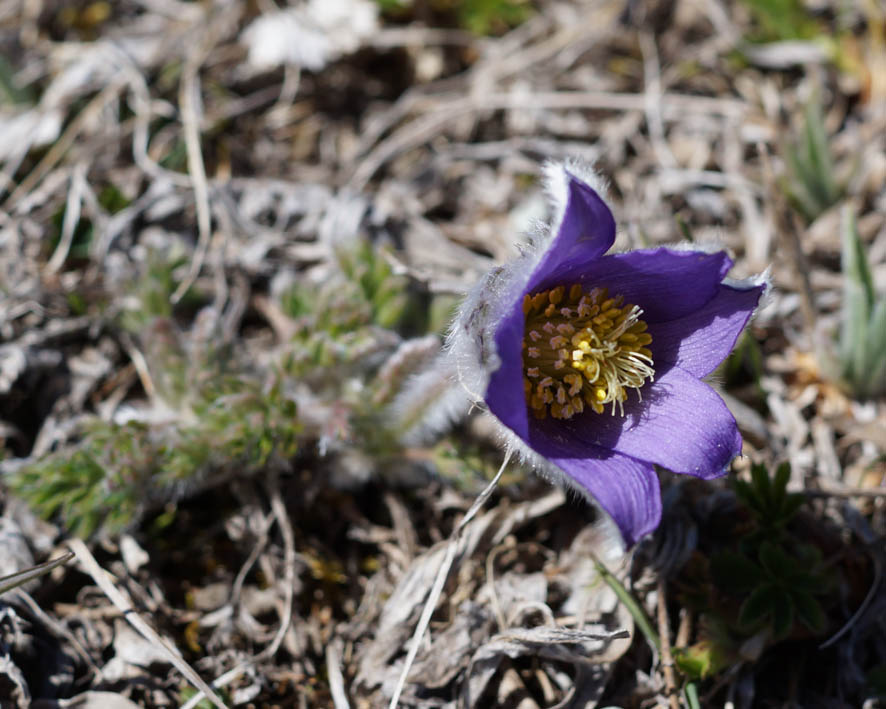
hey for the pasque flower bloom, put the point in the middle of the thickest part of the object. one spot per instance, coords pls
(593, 361)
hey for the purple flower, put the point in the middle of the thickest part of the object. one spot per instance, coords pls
(593, 361)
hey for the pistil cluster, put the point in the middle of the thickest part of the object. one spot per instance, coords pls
(582, 349)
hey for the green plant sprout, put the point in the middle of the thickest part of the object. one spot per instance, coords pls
(117, 472)
(763, 584)
(780, 587)
(781, 20)
(862, 348)
(768, 499)
(222, 414)
(812, 184)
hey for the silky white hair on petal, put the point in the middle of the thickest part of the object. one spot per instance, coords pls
(471, 339)
(761, 279)
(704, 247)
(556, 180)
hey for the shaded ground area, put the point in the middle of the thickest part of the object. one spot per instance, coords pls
(230, 238)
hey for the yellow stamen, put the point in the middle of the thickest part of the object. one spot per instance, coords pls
(596, 351)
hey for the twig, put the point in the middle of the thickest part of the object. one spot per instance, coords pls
(878, 578)
(336, 680)
(442, 110)
(143, 109)
(442, 574)
(61, 146)
(116, 596)
(652, 100)
(279, 510)
(289, 559)
(59, 628)
(14, 580)
(490, 582)
(188, 99)
(278, 115)
(71, 219)
(848, 492)
(140, 364)
(667, 660)
(255, 552)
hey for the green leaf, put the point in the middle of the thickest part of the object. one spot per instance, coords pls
(631, 603)
(821, 166)
(782, 613)
(694, 661)
(10, 91)
(758, 605)
(862, 348)
(692, 696)
(748, 495)
(780, 484)
(856, 269)
(811, 182)
(783, 19)
(776, 562)
(735, 573)
(809, 612)
(762, 485)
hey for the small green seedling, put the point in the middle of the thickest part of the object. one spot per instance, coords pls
(862, 348)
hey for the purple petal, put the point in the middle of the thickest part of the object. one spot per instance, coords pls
(504, 394)
(698, 342)
(586, 232)
(626, 488)
(681, 424)
(665, 283)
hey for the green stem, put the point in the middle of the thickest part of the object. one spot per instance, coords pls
(631, 603)
(692, 696)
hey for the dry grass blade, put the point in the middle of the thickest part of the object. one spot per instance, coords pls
(440, 580)
(124, 605)
(11, 581)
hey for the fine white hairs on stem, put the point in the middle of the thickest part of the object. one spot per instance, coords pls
(429, 403)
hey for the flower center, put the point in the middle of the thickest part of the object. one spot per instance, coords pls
(582, 348)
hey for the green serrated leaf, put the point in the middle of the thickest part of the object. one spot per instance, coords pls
(762, 485)
(791, 504)
(735, 572)
(809, 611)
(780, 483)
(776, 562)
(782, 613)
(758, 606)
